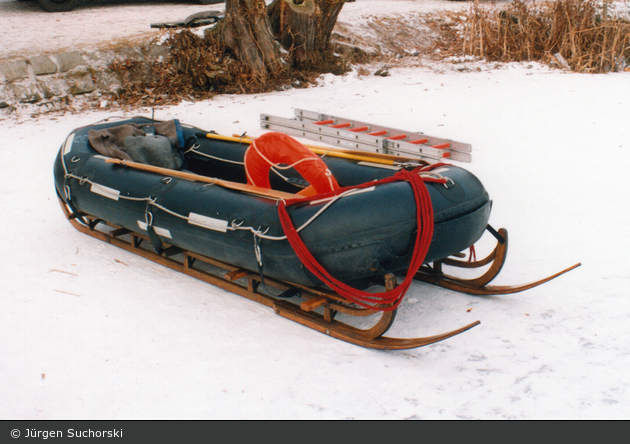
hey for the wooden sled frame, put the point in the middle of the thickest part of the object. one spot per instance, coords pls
(248, 285)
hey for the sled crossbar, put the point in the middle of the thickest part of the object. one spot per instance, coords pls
(362, 136)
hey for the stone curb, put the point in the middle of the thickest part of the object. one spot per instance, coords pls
(56, 77)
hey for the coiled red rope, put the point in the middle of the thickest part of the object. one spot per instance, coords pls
(382, 301)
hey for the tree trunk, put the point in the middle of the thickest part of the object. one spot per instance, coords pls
(245, 31)
(252, 31)
(306, 35)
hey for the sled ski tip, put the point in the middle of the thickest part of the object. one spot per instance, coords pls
(479, 286)
(359, 337)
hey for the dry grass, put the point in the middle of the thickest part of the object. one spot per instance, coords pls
(195, 69)
(582, 35)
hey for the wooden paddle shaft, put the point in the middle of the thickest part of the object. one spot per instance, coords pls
(259, 191)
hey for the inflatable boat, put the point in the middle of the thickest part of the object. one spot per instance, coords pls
(358, 234)
(326, 222)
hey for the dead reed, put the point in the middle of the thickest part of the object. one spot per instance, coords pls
(582, 35)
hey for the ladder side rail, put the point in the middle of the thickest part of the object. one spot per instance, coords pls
(414, 151)
(304, 115)
(372, 128)
(433, 141)
(267, 122)
(344, 138)
(329, 139)
(409, 149)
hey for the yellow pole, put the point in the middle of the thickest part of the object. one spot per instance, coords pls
(320, 150)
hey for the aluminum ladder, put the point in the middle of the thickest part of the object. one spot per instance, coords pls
(352, 134)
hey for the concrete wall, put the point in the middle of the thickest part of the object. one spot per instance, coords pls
(54, 78)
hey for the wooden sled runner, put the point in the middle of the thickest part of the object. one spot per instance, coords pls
(248, 285)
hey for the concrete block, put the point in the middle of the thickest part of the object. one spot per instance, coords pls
(69, 60)
(27, 92)
(81, 85)
(43, 65)
(106, 81)
(14, 70)
(52, 86)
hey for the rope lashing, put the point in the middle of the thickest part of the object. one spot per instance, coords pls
(387, 300)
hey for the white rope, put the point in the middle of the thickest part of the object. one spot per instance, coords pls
(437, 174)
(83, 180)
(171, 212)
(233, 226)
(194, 150)
(305, 159)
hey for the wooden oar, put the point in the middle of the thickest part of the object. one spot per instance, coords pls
(259, 191)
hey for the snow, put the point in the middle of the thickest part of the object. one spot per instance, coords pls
(88, 331)
(115, 20)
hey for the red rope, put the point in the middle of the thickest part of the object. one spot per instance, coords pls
(387, 300)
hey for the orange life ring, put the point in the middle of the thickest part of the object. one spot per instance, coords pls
(273, 149)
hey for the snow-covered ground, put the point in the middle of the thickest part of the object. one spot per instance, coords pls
(28, 30)
(88, 331)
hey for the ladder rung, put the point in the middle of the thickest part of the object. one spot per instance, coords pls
(419, 141)
(441, 146)
(341, 125)
(359, 129)
(398, 137)
(324, 122)
(378, 133)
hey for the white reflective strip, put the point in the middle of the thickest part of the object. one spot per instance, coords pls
(100, 156)
(207, 222)
(67, 146)
(105, 191)
(163, 232)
